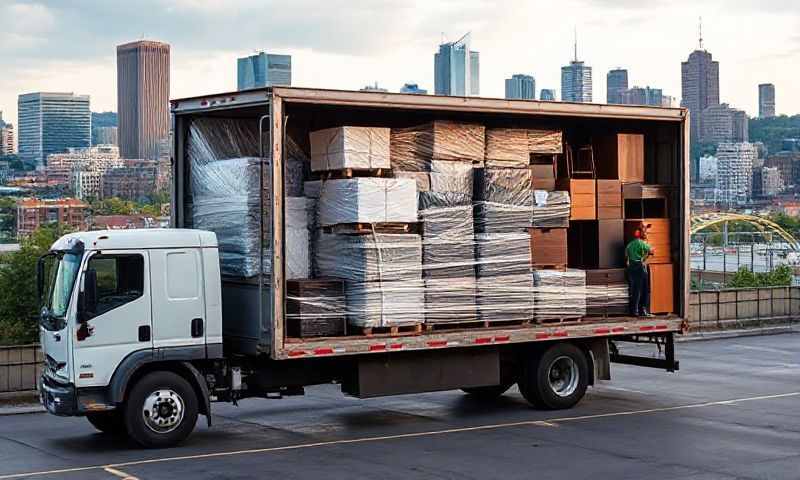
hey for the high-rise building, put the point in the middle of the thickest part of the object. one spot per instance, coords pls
(51, 123)
(708, 169)
(721, 123)
(616, 85)
(413, 88)
(136, 180)
(667, 101)
(2, 123)
(7, 146)
(142, 97)
(734, 173)
(456, 69)
(643, 96)
(263, 70)
(771, 182)
(548, 94)
(576, 82)
(106, 136)
(521, 86)
(766, 100)
(699, 87)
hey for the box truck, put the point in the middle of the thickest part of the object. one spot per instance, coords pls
(143, 330)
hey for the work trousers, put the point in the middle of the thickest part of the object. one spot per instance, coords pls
(638, 288)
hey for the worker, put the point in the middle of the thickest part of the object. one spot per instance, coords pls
(636, 254)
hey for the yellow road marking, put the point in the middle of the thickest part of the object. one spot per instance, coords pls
(119, 473)
(550, 422)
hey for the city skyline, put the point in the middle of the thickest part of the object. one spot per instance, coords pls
(393, 55)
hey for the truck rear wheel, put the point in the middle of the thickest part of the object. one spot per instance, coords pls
(556, 378)
(161, 410)
(111, 422)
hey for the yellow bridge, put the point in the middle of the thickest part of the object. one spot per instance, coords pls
(763, 225)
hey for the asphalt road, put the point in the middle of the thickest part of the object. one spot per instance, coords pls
(733, 411)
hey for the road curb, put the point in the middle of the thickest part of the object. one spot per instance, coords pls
(21, 410)
(745, 332)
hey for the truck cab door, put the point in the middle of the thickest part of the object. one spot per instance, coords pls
(121, 323)
(179, 317)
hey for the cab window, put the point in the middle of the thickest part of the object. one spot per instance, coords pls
(120, 280)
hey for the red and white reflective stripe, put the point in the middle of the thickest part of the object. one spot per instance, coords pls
(618, 329)
(328, 350)
(443, 343)
(561, 333)
(542, 335)
(662, 327)
(602, 331)
(296, 353)
(378, 347)
(503, 338)
(483, 340)
(396, 346)
(646, 328)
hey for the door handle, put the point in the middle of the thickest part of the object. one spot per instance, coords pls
(197, 327)
(144, 333)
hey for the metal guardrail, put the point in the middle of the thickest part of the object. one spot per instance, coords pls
(20, 366)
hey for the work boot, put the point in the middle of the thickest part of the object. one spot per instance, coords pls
(645, 313)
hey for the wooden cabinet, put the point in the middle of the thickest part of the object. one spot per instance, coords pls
(582, 197)
(596, 244)
(662, 288)
(658, 236)
(620, 157)
(609, 199)
(548, 247)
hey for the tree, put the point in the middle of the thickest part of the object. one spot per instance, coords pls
(781, 276)
(19, 302)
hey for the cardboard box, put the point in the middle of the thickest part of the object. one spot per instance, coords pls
(360, 148)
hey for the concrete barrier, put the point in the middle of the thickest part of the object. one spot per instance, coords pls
(20, 367)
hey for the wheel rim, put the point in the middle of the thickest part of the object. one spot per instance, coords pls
(563, 376)
(163, 411)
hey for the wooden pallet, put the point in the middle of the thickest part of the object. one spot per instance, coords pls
(564, 319)
(392, 330)
(474, 324)
(352, 172)
(368, 228)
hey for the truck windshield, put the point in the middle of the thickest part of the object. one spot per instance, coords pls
(60, 276)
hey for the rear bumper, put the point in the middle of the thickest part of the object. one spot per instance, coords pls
(58, 398)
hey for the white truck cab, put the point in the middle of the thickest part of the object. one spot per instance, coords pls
(115, 301)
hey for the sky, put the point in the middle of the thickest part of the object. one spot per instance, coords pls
(60, 45)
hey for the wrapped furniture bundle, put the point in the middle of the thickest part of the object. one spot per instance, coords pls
(504, 202)
(451, 300)
(359, 148)
(447, 242)
(298, 258)
(606, 292)
(505, 298)
(545, 141)
(442, 176)
(382, 273)
(413, 148)
(550, 209)
(507, 148)
(502, 254)
(315, 308)
(368, 200)
(559, 294)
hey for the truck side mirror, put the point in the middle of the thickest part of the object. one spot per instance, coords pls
(40, 277)
(89, 293)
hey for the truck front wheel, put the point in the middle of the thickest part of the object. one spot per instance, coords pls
(556, 378)
(111, 422)
(161, 410)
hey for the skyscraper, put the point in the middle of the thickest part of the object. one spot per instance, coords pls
(576, 80)
(51, 123)
(142, 97)
(642, 96)
(521, 86)
(721, 123)
(766, 100)
(456, 69)
(7, 146)
(263, 70)
(548, 94)
(699, 86)
(616, 85)
(735, 173)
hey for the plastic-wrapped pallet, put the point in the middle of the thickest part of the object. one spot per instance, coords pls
(298, 261)
(368, 200)
(360, 148)
(550, 209)
(447, 242)
(385, 303)
(559, 294)
(545, 141)
(451, 300)
(507, 148)
(413, 148)
(367, 258)
(443, 176)
(503, 200)
(505, 298)
(502, 254)
(611, 299)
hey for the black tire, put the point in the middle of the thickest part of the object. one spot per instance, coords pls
(542, 391)
(491, 392)
(170, 386)
(111, 422)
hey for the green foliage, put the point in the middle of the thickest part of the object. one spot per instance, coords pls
(772, 131)
(117, 206)
(781, 276)
(8, 223)
(788, 223)
(19, 303)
